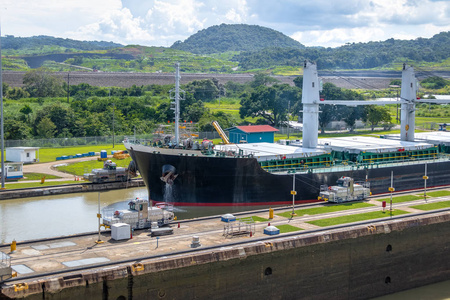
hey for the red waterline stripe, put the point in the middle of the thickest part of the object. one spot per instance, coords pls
(244, 204)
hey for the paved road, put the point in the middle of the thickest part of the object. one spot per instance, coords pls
(49, 168)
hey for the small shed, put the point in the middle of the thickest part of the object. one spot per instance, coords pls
(22, 154)
(252, 134)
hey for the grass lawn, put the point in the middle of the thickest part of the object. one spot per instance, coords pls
(325, 209)
(38, 176)
(79, 168)
(356, 218)
(398, 199)
(431, 206)
(288, 228)
(12, 186)
(50, 154)
(256, 219)
(437, 194)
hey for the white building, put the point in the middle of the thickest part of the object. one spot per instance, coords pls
(22, 154)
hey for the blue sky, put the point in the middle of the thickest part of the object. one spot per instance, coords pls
(328, 23)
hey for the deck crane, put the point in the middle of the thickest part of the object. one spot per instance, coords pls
(221, 132)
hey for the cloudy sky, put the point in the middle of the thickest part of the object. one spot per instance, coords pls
(328, 23)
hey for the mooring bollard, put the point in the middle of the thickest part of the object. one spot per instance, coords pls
(13, 246)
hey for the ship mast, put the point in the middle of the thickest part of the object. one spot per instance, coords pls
(310, 100)
(408, 99)
(175, 105)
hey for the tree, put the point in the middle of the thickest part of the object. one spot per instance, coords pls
(434, 82)
(40, 83)
(375, 115)
(194, 112)
(327, 114)
(270, 103)
(348, 114)
(5, 88)
(26, 111)
(46, 128)
(16, 93)
(204, 89)
(298, 82)
(351, 114)
(261, 79)
(16, 130)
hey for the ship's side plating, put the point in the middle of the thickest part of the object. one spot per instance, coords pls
(211, 180)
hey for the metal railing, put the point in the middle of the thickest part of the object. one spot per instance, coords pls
(5, 260)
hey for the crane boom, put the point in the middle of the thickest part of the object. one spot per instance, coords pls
(221, 132)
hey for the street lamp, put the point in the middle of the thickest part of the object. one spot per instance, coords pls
(293, 193)
(425, 177)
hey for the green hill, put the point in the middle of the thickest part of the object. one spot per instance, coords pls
(434, 52)
(237, 37)
(17, 43)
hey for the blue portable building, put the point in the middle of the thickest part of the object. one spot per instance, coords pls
(252, 134)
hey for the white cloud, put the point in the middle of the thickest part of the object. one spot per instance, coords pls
(170, 16)
(162, 22)
(119, 26)
(52, 17)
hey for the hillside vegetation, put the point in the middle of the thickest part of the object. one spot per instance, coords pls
(353, 56)
(224, 49)
(236, 37)
(16, 43)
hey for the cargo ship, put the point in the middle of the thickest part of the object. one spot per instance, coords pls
(200, 174)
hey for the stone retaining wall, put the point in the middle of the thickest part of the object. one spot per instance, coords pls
(360, 262)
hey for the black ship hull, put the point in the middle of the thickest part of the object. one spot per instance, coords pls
(209, 180)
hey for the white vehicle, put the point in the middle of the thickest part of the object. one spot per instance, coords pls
(140, 215)
(109, 173)
(345, 190)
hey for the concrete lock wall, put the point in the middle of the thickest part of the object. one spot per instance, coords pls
(356, 263)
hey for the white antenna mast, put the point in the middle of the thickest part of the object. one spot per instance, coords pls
(176, 104)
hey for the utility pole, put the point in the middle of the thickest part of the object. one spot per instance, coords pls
(289, 109)
(68, 86)
(1, 115)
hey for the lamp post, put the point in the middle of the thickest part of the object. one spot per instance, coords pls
(425, 177)
(391, 189)
(293, 193)
(99, 215)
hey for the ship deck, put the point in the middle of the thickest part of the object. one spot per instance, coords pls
(357, 144)
(433, 137)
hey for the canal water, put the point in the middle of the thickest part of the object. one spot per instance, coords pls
(60, 215)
